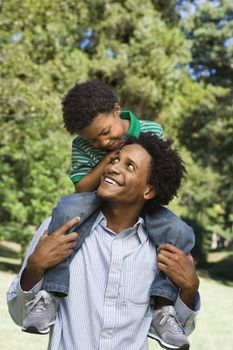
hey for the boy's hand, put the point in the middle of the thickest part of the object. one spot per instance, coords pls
(110, 156)
(91, 181)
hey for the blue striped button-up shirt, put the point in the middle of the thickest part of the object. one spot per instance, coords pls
(107, 307)
(110, 278)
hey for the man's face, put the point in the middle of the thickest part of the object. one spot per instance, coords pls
(105, 131)
(124, 180)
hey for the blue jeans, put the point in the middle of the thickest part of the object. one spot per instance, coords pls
(162, 226)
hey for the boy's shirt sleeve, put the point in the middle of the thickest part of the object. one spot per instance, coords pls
(161, 132)
(81, 165)
(147, 125)
(83, 159)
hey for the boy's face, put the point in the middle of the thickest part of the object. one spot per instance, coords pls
(125, 178)
(106, 130)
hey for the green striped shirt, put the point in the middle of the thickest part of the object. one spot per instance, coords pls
(85, 156)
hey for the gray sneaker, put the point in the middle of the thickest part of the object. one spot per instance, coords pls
(40, 313)
(167, 329)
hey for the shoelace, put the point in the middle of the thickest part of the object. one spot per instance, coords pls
(38, 303)
(173, 320)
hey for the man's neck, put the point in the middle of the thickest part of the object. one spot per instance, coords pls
(118, 218)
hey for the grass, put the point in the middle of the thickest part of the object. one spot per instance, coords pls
(214, 327)
(11, 336)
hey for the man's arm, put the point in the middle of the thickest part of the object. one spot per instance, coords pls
(44, 252)
(49, 252)
(180, 268)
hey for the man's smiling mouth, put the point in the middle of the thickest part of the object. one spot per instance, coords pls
(111, 181)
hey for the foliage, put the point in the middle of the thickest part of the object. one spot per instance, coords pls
(206, 127)
(136, 46)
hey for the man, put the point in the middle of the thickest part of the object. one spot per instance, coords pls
(110, 275)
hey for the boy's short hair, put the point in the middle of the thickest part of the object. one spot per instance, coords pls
(167, 167)
(84, 102)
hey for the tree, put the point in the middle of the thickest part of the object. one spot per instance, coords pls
(206, 129)
(46, 48)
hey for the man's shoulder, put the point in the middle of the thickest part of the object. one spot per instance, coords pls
(165, 214)
(170, 228)
(77, 197)
(76, 204)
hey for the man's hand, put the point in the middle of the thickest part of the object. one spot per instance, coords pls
(180, 268)
(50, 251)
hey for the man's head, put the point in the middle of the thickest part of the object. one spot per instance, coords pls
(92, 110)
(146, 170)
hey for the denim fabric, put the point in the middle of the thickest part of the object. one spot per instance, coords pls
(83, 205)
(162, 226)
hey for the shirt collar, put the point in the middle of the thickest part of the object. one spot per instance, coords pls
(134, 127)
(138, 228)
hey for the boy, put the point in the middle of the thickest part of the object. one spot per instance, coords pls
(92, 110)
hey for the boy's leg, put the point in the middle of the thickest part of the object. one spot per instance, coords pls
(83, 205)
(42, 309)
(165, 327)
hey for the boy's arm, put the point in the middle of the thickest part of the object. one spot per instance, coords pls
(90, 182)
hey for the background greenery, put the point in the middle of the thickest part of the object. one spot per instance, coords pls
(214, 326)
(168, 61)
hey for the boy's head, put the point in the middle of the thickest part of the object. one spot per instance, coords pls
(165, 172)
(92, 110)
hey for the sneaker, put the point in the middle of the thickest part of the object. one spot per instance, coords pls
(167, 329)
(40, 313)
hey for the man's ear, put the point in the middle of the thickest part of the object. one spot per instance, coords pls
(117, 110)
(150, 193)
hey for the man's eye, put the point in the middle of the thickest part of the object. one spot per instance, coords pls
(130, 165)
(115, 160)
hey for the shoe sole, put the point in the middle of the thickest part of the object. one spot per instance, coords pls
(34, 330)
(165, 345)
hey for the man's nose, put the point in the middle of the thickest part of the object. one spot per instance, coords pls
(114, 168)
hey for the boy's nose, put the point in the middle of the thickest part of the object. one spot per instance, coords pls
(104, 143)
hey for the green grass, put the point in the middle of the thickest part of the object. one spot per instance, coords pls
(214, 326)
(213, 331)
(11, 336)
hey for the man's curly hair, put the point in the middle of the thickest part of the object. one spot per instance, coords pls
(84, 102)
(166, 169)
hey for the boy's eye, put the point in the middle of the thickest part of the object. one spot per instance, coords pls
(105, 132)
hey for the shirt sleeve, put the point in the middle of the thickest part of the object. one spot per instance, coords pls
(187, 316)
(153, 127)
(16, 297)
(81, 165)
(160, 132)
